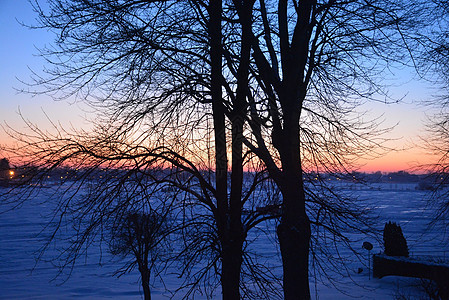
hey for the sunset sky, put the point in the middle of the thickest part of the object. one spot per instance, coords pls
(17, 54)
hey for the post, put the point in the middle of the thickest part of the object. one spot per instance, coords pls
(368, 246)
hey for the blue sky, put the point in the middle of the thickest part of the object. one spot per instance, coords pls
(18, 54)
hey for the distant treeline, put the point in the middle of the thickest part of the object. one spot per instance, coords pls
(24, 173)
(423, 181)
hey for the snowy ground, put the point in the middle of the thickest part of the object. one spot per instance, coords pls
(21, 278)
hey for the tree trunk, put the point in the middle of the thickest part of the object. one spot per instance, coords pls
(146, 291)
(146, 284)
(231, 265)
(294, 229)
(294, 237)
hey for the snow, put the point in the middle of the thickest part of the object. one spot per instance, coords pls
(21, 237)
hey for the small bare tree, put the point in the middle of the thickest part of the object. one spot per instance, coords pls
(138, 237)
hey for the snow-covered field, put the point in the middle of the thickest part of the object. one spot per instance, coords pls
(22, 278)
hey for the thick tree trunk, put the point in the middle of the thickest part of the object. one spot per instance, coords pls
(231, 265)
(294, 237)
(294, 229)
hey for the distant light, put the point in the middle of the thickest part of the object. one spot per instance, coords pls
(11, 173)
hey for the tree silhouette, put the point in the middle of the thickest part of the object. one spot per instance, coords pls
(140, 236)
(434, 68)
(183, 86)
(163, 123)
(394, 241)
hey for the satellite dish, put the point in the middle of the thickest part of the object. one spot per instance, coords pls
(367, 245)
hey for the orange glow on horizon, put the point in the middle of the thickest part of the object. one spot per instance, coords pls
(412, 161)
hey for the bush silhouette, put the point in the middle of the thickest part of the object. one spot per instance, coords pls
(394, 241)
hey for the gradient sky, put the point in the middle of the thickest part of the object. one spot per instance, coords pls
(18, 54)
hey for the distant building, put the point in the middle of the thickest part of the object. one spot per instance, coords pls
(6, 173)
(401, 177)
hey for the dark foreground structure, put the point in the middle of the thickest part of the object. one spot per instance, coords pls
(384, 265)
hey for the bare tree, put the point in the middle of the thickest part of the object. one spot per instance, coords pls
(432, 64)
(435, 142)
(140, 236)
(153, 70)
(313, 63)
(182, 85)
